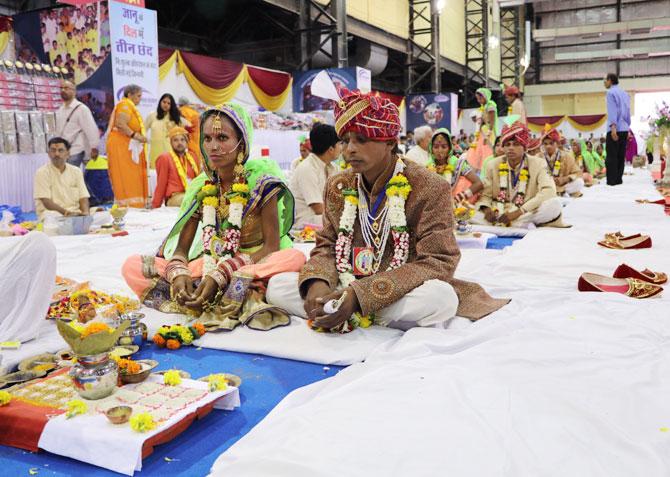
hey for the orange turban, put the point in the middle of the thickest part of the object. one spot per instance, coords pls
(177, 131)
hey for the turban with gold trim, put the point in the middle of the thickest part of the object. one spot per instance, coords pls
(374, 117)
(516, 131)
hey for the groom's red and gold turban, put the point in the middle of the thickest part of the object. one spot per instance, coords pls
(374, 117)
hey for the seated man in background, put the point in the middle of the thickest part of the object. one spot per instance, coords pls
(419, 152)
(59, 187)
(387, 251)
(518, 190)
(174, 170)
(562, 166)
(309, 178)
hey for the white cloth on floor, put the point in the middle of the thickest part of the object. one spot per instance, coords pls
(27, 277)
(296, 341)
(429, 304)
(575, 186)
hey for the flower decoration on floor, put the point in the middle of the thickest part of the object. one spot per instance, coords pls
(176, 336)
(142, 422)
(83, 304)
(5, 398)
(217, 382)
(75, 408)
(172, 378)
(94, 338)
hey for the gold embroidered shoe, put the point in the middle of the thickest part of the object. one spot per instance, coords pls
(618, 241)
(592, 282)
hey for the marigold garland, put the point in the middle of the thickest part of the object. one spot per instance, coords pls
(397, 191)
(75, 407)
(174, 336)
(172, 378)
(518, 194)
(5, 398)
(95, 327)
(217, 382)
(142, 422)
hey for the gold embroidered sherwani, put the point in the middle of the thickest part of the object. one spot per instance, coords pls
(433, 251)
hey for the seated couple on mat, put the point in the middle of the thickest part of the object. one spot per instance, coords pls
(518, 189)
(232, 230)
(386, 254)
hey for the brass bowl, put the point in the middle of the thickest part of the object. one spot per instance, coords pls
(148, 365)
(119, 414)
(119, 212)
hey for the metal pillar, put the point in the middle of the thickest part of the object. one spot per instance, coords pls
(323, 28)
(476, 49)
(423, 45)
(340, 50)
(510, 46)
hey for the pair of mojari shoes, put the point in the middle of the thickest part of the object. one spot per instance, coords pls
(621, 242)
(626, 280)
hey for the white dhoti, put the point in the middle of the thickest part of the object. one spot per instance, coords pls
(432, 303)
(547, 212)
(27, 277)
(574, 187)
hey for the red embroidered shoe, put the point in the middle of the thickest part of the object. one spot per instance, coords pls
(592, 282)
(626, 271)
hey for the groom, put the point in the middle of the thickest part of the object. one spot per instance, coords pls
(419, 289)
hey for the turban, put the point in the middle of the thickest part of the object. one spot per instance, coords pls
(516, 131)
(374, 117)
(177, 131)
(534, 144)
(552, 134)
(512, 91)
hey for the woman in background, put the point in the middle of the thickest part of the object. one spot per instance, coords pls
(166, 116)
(126, 150)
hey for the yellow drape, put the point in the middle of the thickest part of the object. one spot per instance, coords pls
(4, 41)
(206, 93)
(213, 96)
(165, 68)
(271, 103)
(540, 127)
(588, 127)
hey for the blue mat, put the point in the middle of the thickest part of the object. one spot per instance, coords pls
(265, 382)
(499, 243)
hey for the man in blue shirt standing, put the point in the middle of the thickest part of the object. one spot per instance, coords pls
(618, 125)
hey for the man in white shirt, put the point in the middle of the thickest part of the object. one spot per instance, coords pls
(419, 153)
(75, 123)
(59, 187)
(308, 181)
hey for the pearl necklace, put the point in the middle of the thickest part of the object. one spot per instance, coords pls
(375, 230)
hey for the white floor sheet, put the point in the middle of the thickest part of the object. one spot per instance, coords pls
(557, 383)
